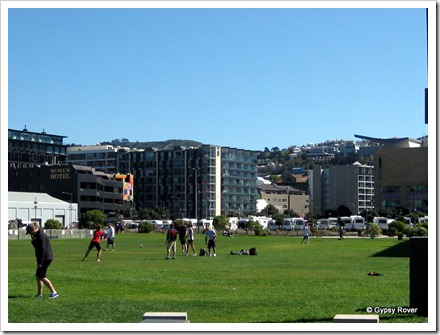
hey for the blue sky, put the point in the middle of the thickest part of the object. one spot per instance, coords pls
(246, 78)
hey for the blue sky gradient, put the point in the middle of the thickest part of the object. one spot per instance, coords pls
(245, 78)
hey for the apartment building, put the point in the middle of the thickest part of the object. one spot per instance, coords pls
(28, 149)
(285, 198)
(348, 185)
(195, 182)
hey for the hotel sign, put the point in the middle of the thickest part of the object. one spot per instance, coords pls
(60, 173)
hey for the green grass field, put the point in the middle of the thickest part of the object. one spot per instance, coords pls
(285, 283)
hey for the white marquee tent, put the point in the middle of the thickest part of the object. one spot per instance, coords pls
(41, 207)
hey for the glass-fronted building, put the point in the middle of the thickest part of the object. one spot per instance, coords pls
(27, 149)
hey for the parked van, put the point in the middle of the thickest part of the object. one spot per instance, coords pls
(346, 222)
(323, 224)
(381, 222)
(287, 224)
(333, 222)
(273, 225)
(357, 222)
(298, 223)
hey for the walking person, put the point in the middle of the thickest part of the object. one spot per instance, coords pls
(341, 231)
(98, 235)
(190, 242)
(44, 256)
(182, 238)
(171, 242)
(110, 237)
(305, 232)
(210, 239)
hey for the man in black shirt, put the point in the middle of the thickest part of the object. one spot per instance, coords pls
(44, 256)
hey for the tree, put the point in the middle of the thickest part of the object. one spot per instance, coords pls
(220, 222)
(52, 224)
(91, 219)
(270, 210)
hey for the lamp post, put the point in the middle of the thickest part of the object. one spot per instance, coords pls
(196, 191)
(35, 208)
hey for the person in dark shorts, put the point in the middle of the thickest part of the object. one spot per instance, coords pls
(98, 235)
(182, 238)
(210, 238)
(110, 237)
(44, 256)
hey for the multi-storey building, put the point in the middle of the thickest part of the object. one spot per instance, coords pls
(285, 198)
(200, 182)
(105, 158)
(27, 149)
(348, 185)
(401, 173)
(89, 188)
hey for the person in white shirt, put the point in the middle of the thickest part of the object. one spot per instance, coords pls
(190, 241)
(305, 231)
(110, 237)
(210, 238)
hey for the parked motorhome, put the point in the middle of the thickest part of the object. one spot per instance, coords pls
(381, 222)
(357, 222)
(346, 222)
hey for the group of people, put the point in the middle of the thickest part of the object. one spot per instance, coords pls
(44, 255)
(186, 238)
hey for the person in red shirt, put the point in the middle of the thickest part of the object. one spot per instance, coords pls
(171, 242)
(98, 235)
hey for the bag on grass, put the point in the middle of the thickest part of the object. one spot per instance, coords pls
(202, 252)
(252, 252)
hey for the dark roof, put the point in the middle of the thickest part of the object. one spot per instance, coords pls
(392, 140)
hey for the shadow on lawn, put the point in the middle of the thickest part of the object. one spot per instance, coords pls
(20, 296)
(400, 249)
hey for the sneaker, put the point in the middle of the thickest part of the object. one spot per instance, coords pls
(195, 255)
(105, 249)
(38, 296)
(53, 295)
(215, 255)
(167, 258)
(98, 260)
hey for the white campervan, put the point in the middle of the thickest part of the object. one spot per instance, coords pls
(357, 222)
(346, 222)
(381, 222)
(287, 224)
(298, 223)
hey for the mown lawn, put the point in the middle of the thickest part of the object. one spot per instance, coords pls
(285, 283)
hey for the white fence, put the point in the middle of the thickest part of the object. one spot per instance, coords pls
(20, 234)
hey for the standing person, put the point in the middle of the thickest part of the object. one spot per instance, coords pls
(171, 241)
(44, 256)
(305, 231)
(210, 238)
(110, 237)
(190, 242)
(182, 238)
(341, 231)
(98, 235)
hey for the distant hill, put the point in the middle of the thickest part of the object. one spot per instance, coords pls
(154, 144)
(163, 144)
